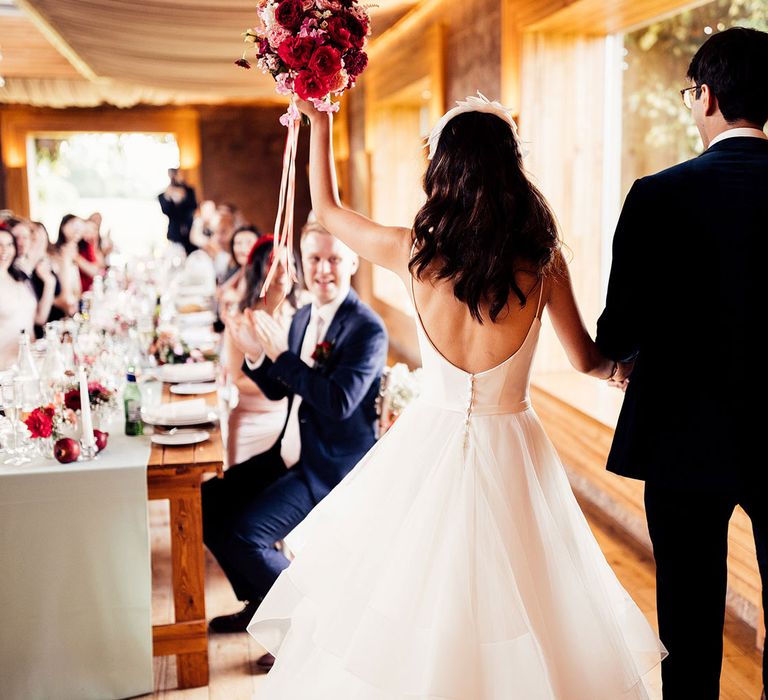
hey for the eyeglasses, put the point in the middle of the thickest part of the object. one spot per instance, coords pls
(688, 96)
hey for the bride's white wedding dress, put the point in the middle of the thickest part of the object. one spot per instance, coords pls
(453, 563)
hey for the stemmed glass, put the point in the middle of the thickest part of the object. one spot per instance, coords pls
(11, 403)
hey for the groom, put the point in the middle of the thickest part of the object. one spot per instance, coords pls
(329, 368)
(684, 314)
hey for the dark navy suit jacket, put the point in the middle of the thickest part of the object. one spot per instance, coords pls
(687, 300)
(337, 416)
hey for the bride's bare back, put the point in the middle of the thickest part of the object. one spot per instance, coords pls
(469, 345)
(460, 339)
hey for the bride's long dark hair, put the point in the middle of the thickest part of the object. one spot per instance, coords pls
(483, 221)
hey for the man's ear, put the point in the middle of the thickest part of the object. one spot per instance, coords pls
(709, 101)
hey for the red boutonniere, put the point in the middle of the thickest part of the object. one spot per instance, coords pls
(322, 352)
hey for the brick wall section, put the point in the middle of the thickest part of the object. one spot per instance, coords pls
(242, 153)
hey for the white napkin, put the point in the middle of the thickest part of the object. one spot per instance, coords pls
(194, 408)
(188, 372)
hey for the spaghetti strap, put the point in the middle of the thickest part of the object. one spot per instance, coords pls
(541, 295)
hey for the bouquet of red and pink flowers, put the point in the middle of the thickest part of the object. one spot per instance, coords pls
(312, 48)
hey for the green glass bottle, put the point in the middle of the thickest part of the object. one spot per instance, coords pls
(132, 403)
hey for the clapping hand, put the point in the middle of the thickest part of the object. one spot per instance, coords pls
(269, 332)
(244, 338)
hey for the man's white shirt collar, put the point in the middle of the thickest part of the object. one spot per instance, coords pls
(740, 131)
(327, 311)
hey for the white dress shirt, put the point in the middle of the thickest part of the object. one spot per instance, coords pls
(739, 131)
(320, 318)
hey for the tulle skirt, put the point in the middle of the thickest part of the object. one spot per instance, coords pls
(453, 565)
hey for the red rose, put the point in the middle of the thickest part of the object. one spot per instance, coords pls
(72, 399)
(326, 61)
(296, 51)
(355, 62)
(290, 13)
(243, 63)
(310, 86)
(322, 352)
(357, 30)
(40, 422)
(339, 33)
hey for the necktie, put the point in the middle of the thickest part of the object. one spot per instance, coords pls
(290, 447)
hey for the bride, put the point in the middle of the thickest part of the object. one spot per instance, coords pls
(453, 562)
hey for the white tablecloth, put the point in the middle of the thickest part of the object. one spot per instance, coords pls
(75, 577)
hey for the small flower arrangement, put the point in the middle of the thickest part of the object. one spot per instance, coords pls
(312, 48)
(98, 395)
(399, 387)
(169, 349)
(50, 421)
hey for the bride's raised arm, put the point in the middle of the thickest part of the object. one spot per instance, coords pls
(388, 246)
(581, 350)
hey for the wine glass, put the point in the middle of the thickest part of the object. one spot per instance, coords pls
(11, 402)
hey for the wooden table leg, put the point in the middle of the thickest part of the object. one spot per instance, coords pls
(188, 558)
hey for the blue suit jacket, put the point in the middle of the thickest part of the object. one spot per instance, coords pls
(337, 416)
(685, 299)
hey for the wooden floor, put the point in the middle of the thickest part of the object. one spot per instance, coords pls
(234, 675)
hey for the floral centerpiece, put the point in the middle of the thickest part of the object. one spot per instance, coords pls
(168, 349)
(50, 425)
(399, 387)
(98, 396)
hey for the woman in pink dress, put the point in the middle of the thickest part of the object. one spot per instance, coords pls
(256, 422)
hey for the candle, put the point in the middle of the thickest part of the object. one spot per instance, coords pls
(85, 411)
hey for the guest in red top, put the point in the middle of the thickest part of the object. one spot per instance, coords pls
(90, 261)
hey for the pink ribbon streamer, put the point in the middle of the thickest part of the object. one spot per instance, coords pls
(283, 249)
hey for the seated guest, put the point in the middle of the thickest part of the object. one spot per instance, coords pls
(231, 290)
(32, 260)
(256, 422)
(203, 225)
(63, 254)
(329, 369)
(19, 315)
(89, 260)
(228, 221)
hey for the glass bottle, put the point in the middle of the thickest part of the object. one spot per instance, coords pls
(28, 378)
(132, 402)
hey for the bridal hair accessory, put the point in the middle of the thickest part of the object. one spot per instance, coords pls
(472, 104)
(314, 49)
(262, 240)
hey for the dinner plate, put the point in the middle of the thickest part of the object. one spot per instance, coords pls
(181, 437)
(187, 373)
(211, 416)
(194, 388)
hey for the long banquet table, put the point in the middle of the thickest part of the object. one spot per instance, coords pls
(75, 570)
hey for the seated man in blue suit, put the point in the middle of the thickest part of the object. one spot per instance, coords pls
(330, 369)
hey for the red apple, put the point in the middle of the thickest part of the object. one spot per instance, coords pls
(101, 439)
(66, 450)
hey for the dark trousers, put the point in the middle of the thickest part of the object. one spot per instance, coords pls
(689, 531)
(254, 505)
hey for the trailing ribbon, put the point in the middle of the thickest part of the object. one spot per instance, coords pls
(283, 248)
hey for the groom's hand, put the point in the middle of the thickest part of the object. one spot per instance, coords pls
(620, 379)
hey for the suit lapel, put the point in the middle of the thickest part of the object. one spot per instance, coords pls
(298, 329)
(340, 318)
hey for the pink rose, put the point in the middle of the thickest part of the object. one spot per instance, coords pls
(338, 82)
(308, 85)
(290, 13)
(325, 61)
(296, 51)
(277, 35)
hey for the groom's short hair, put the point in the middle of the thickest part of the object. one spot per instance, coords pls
(733, 64)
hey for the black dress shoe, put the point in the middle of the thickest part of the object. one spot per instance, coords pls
(266, 662)
(237, 622)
